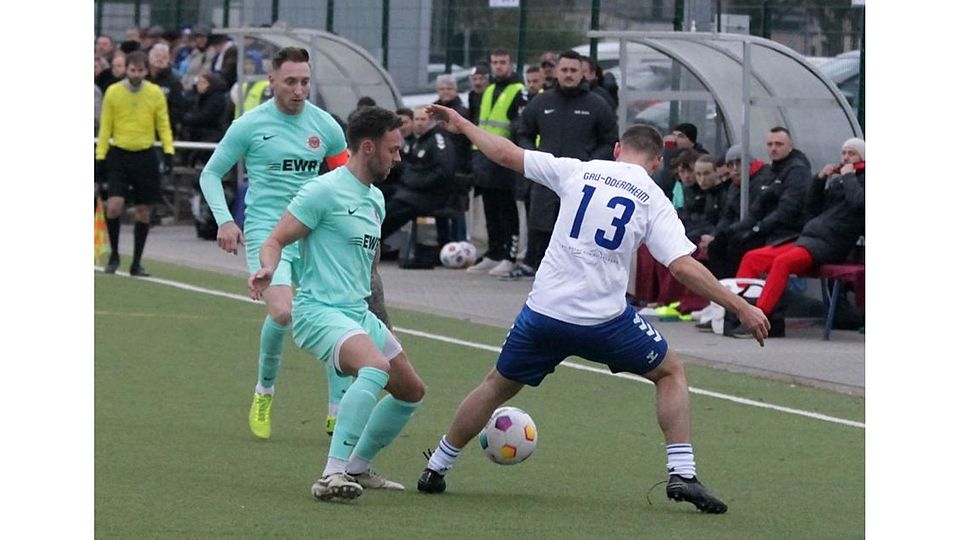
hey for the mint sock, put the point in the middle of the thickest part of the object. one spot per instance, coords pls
(271, 349)
(337, 384)
(355, 410)
(386, 422)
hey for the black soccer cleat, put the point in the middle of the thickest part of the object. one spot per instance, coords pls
(692, 491)
(431, 482)
(139, 271)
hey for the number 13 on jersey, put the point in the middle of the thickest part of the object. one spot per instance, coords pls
(619, 224)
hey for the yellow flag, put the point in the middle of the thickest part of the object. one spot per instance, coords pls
(99, 233)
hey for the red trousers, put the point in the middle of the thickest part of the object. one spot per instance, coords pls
(656, 285)
(778, 262)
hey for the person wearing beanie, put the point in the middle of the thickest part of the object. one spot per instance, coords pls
(689, 132)
(835, 200)
(479, 81)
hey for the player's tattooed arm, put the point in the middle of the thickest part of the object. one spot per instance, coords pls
(375, 300)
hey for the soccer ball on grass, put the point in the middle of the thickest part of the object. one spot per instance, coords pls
(509, 437)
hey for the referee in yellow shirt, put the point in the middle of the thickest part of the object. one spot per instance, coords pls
(134, 113)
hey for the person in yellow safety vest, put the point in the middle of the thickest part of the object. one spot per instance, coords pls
(500, 106)
(248, 95)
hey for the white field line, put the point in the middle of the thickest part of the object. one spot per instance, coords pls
(574, 365)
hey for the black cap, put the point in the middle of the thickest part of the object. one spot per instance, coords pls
(689, 130)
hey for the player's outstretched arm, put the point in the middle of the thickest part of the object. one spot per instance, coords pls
(499, 149)
(698, 279)
(288, 230)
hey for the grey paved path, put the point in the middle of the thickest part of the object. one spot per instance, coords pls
(803, 357)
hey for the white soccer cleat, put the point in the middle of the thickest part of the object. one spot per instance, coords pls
(503, 268)
(483, 266)
(336, 487)
(374, 480)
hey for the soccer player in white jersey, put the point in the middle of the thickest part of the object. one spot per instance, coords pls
(283, 142)
(337, 219)
(577, 305)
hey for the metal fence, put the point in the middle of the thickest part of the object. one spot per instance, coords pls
(463, 31)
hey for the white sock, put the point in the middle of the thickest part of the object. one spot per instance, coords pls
(333, 409)
(680, 460)
(357, 465)
(443, 457)
(262, 391)
(334, 466)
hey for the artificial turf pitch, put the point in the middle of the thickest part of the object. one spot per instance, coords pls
(175, 370)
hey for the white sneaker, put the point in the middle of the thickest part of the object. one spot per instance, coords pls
(503, 268)
(648, 312)
(336, 487)
(483, 266)
(374, 480)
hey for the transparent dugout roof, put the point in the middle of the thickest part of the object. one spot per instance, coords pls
(342, 71)
(671, 77)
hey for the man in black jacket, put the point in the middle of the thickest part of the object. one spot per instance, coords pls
(455, 228)
(429, 161)
(567, 120)
(162, 75)
(777, 214)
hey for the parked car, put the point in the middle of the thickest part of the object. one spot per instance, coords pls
(844, 71)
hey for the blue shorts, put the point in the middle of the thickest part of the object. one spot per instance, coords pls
(536, 344)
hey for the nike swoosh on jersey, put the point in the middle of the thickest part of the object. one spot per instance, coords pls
(268, 137)
(548, 111)
(352, 211)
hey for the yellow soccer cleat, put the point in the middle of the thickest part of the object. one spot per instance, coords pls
(260, 415)
(331, 423)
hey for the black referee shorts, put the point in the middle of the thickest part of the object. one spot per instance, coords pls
(135, 176)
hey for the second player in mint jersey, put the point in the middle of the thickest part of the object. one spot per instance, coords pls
(284, 143)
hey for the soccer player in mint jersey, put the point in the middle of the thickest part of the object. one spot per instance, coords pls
(283, 143)
(577, 305)
(337, 220)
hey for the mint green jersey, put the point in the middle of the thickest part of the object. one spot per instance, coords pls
(344, 218)
(280, 152)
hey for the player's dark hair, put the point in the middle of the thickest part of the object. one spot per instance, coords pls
(643, 139)
(136, 57)
(370, 123)
(501, 52)
(290, 54)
